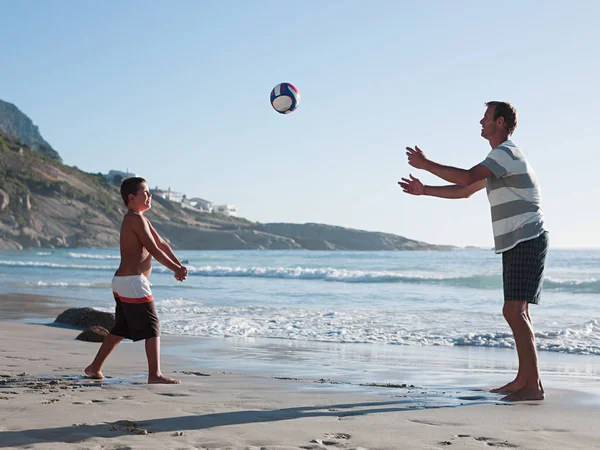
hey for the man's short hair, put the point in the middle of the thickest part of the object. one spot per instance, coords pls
(130, 186)
(506, 110)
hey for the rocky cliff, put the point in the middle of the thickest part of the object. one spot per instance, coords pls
(18, 126)
(44, 203)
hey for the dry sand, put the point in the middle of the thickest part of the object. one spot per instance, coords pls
(46, 403)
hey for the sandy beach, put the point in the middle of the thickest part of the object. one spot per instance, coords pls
(48, 404)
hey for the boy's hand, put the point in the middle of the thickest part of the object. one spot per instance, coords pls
(416, 157)
(412, 186)
(181, 273)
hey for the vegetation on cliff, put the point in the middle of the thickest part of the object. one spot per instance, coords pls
(44, 203)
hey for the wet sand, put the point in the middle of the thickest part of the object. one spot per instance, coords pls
(47, 404)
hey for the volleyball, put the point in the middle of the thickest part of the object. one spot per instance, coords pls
(285, 98)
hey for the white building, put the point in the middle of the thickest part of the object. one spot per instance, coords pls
(228, 210)
(202, 205)
(175, 197)
(188, 204)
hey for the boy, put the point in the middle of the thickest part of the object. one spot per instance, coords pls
(518, 225)
(135, 314)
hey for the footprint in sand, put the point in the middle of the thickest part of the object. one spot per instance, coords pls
(436, 424)
(337, 436)
(491, 442)
(173, 394)
(329, 440)
(88, 402)
(48, 402)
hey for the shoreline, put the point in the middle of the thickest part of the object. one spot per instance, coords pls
(349, 366)
(47, 404)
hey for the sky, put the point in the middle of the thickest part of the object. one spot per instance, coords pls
(178, 92)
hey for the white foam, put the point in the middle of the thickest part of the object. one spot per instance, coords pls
(52, 265)
(367, 326)
(92, 256)
(67, 284)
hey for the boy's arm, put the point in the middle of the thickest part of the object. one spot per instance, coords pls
(162, 244)
(142, 230)
(415, 187)
(463, 177)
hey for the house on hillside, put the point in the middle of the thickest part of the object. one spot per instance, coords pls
(189, 204)
(202, 205)
(195, 203)
(228, 210)
(175, 197)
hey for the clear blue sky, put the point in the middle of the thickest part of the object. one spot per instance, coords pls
(178, 92)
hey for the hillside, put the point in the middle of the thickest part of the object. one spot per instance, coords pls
(44, 203)
(19, 127)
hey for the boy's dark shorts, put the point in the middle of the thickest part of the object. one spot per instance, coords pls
(135, 314)
(523, 269)
(135, 321)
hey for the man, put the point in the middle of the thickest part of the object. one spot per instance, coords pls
(518, 226)
(135, 313)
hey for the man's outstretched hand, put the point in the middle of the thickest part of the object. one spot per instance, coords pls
(412, 186)
(416, 157)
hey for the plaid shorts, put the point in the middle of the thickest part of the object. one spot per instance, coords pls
(523, 269)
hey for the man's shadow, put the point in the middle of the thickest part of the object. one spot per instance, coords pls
(79, 433)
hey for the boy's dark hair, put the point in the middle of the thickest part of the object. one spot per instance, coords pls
(130, 186)
(508, 111)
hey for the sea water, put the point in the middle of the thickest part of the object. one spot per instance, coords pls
(323, 301)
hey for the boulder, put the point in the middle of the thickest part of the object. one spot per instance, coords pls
(93, 334)
(86, 318)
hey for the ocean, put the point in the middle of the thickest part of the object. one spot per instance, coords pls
(349, 308)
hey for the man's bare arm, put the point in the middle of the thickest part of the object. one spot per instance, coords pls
(458, 176)
(414, 186)
(142, 230)
(454, 191)
(162, 244)
(463, 177)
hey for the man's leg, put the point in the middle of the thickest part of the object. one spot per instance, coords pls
(519, 381)
(522, 276)
(153, 355)
(94, 370)
(527, 385)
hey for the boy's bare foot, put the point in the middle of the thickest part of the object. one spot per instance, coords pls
(92, 373)
(525, 394)
(161, 379)
(513, 386)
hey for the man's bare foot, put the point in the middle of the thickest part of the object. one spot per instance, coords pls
(161, 379)
(525, 394)
(513, 386)
(92, 373)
